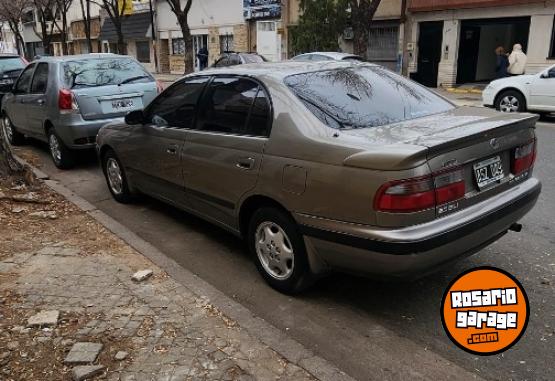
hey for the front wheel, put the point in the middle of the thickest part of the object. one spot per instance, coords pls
(61, 155)
(510, 101)
(14, 137)
(279, 251)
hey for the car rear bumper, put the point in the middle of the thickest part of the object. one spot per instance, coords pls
(416, 250)
(78, 133)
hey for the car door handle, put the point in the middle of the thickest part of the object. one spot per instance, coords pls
(172, 150)
(245, 163)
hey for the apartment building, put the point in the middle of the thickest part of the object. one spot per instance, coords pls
(453, 41)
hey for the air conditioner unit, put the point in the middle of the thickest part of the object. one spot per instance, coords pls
(348, 34)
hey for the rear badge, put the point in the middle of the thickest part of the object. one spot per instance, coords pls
(448, 208)
(494, 143)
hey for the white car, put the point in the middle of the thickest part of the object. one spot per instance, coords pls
(533, 92)
(327, 56)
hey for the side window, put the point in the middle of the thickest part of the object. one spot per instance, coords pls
(235, 60)
(40, 79)
(24, 81)
(259, 121)
(222, 62)
(319, 57)
(227, 105)
(176, 106)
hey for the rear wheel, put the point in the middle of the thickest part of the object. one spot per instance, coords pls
(14, 137)
(510, 101)
(115, 177)
(62, 156)
(279, 251)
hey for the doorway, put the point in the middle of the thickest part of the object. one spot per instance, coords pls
(478, 40)
(429, 52)
(199, 41)
(268, 41)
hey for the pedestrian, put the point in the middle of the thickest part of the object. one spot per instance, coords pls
(202, 56)
(517, 61)
(502, 63)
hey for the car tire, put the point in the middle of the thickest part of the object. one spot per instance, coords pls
(62, 156)
(116, 178)
(278, 249)
(14, 137)
(510, 101)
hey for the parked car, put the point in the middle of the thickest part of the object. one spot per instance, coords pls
(533, 92)
(65, 100)
(345, 166)
(11, 65)
(327, 56)
(234, 58)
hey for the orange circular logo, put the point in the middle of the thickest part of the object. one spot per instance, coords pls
(485, 311)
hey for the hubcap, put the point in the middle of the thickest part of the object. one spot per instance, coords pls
(55, 150)
(115, 178)
(274, 250)
(8, 129)
(509, 104)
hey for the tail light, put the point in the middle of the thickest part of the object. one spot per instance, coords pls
(413, 195)
(159, 87)
(524, 158)
(66, 100)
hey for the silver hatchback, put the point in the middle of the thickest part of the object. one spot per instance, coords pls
(65, 100)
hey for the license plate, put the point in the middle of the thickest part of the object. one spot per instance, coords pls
(488, 171)
(122, 103)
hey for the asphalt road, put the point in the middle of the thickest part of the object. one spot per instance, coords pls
(369, 329)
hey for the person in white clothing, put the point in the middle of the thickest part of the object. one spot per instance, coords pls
(517, 61)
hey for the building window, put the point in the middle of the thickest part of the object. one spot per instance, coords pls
(143, 51)
(28, 17)
(178, 46)
(383, 43)
(226, 43)
(552, 51)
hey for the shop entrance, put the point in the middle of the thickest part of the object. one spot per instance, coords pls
(477, 43)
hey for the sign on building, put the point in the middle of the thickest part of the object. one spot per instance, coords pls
(261, 9)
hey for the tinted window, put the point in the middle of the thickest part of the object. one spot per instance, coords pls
(364, 97)
(9, 64)
(103, 71)
(319, 57)
(259, 121)
(227, 105)
(24, 81)
(40, 79)
(176, 106)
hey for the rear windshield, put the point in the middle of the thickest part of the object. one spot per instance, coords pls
(253, 58)
(364, 96)
(12, 63)
(103, 71)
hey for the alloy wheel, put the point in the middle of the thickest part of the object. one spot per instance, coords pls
(115, 177)
(509, 103)
(8, 129)
(274, 250)
(55, 149)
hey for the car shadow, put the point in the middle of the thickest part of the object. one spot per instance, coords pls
(84, 159)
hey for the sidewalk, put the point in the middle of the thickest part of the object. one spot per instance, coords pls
(94, 321)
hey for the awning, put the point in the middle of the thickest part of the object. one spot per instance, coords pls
(134, 27)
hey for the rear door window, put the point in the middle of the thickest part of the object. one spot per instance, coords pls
(176, 106)
(40, 79)
(93, 72)
(227, 105)
(364, 96)
(24, 81)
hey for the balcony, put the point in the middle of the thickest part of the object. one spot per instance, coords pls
(440, 5)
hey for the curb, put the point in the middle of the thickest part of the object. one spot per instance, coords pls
(290, 349)
(456, 90)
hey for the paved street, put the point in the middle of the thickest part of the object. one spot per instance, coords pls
(368, 329)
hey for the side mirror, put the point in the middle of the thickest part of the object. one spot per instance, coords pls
(135, 117)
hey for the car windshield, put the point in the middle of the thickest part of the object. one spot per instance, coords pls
(103, 71)
(253, 58)
(11, 63)
(364, 96)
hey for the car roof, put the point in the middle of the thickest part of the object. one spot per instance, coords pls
(79, 57)
(8, 55)
(280, 70)
(335, 55)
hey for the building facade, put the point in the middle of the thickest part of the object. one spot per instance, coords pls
(453, 41)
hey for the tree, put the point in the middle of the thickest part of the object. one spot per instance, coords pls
(86, 13)
(11, 11)
(45, 13)
(182, 13)
(8, 165)
(362, 13)
(62, 7)
(116, 12)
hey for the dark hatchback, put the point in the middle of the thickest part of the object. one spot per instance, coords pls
(11, 65)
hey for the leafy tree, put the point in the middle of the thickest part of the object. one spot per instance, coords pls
(362, 13)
